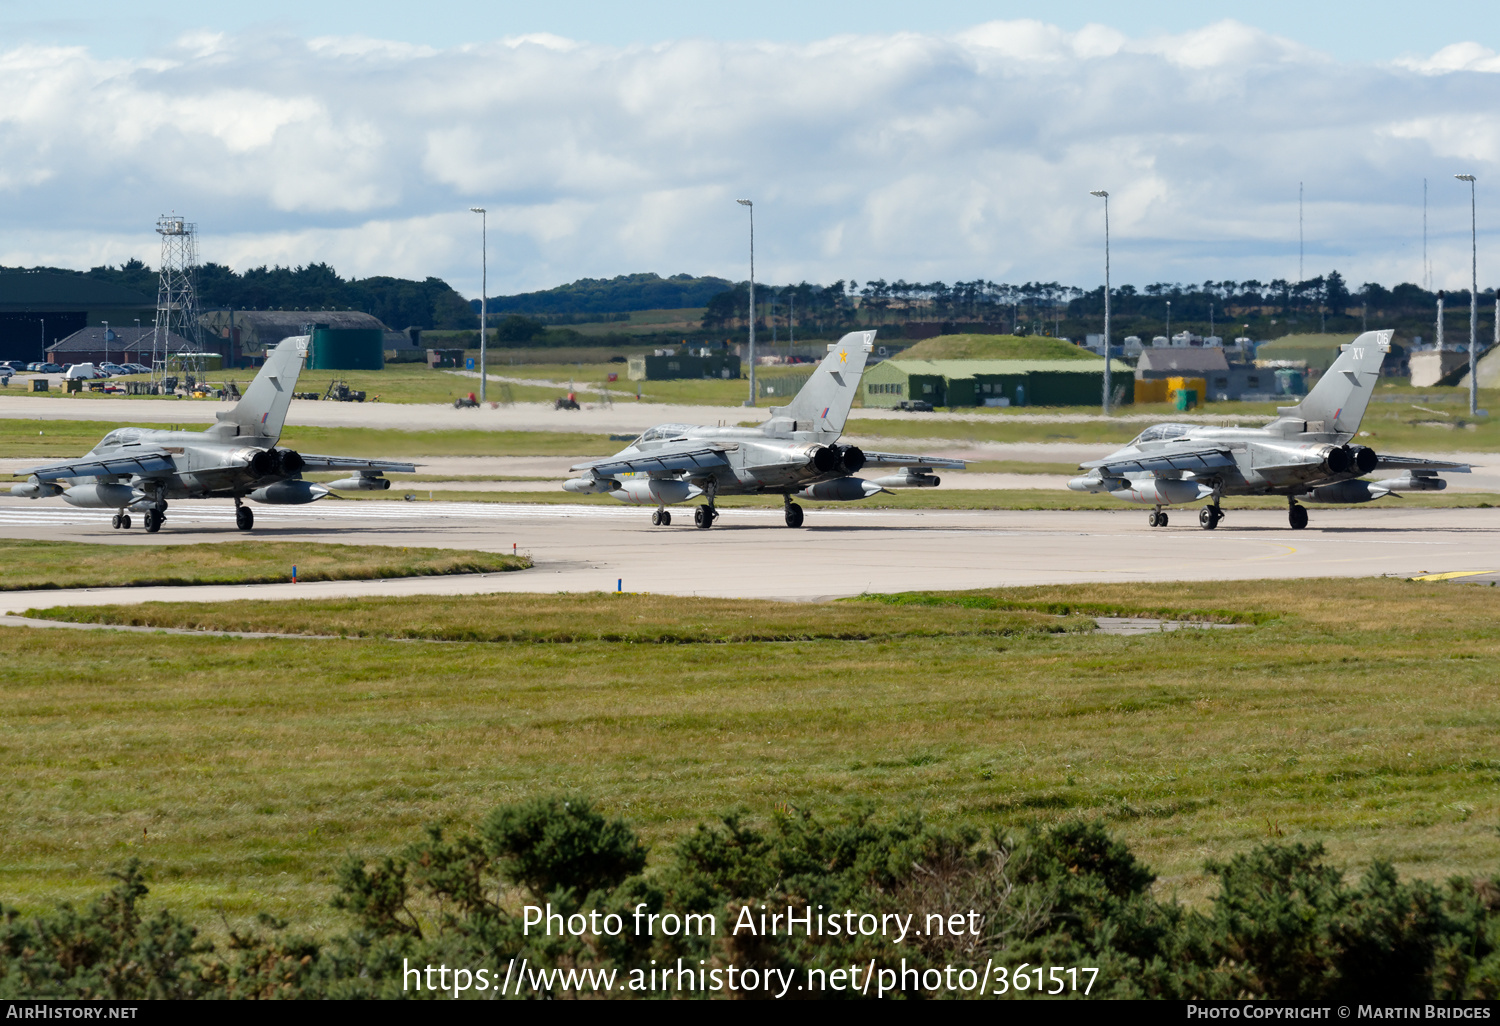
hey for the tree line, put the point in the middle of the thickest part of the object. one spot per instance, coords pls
(1268, 308)
(397, 302)
(603, 296)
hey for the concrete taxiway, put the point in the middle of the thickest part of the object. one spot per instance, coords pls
(750, 553)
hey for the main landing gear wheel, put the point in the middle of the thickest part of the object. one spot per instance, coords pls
(1297, 517)
(704, 516)
(153, 520)
(244, 517)
(793, 515)
(1209, 517)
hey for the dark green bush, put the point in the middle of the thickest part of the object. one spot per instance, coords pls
(1284, 925)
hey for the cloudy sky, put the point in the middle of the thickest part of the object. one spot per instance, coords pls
(955, 142)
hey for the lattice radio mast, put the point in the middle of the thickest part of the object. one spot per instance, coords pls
(177, 302)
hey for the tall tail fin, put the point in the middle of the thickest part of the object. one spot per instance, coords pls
(1337, 402)
(261, 412)
(822, 405)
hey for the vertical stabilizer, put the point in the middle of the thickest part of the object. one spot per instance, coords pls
(1336, 404)
(261, 412)
(822, 405)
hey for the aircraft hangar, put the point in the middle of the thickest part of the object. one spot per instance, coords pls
(37, 308)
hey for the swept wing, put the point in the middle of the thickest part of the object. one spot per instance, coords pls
(348, 463)
(143, 463)
(1417, 463)
(896, 459)
(669, 459)
(1181, 458)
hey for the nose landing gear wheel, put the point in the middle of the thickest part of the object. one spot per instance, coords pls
(661, 518)
(703, 517)
(1154, 518)
(656, 518)
(125, 521)
(1297, 517)
(1209, 517)
(116, 520)
(244, 518)
(793, 515)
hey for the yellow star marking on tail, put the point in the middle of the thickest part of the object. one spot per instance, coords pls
(843, 356)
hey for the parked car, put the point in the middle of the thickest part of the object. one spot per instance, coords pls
(137, 368)
(112, 368)
(914, 406)
(14, 366)
(83, 371)
(49, 368)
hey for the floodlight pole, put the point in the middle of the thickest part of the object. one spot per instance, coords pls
(484, 288)
(1473, 298)
(749, 204)
(1105, 197)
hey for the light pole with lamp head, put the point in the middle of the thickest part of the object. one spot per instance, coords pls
(1473, 298)
(484, 288)
(1105, 197)
(751, 205)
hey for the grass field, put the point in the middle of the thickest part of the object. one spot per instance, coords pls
(49, 564)
(1361, 713)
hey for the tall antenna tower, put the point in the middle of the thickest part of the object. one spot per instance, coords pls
(177, 301)
(1426, 267)
(1301, 276)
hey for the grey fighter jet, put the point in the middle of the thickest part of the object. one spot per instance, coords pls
(1304, 453)
(795, 454)
(139, 469)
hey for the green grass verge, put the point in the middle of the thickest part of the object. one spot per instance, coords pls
(49, 564)
(1358, 712)
(562, 618)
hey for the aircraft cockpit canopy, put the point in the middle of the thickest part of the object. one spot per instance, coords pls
(662, 432)
(1161, 433)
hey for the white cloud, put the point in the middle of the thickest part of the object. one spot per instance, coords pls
(910, 155)
(1458, 57)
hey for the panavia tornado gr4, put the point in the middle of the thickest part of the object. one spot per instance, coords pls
(139, 469)
(795, 454)
(1305, 453)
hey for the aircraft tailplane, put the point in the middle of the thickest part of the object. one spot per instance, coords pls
(822, 404)
(1338, 400)
(261, 411)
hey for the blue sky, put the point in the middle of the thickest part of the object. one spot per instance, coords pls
(1371, 31)
(935, 141)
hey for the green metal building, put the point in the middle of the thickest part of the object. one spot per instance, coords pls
(346, 349)
(665, 367)
(988, 382)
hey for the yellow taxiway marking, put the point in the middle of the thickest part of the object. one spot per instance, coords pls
(1451, 575)
(1275, 555)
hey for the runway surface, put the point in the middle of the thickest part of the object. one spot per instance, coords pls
(751, 554)
(623, 416)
